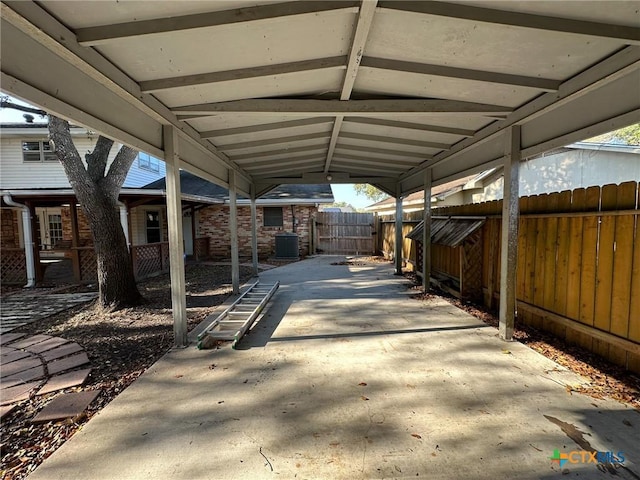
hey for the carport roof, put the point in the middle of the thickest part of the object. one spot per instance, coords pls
(329, 91)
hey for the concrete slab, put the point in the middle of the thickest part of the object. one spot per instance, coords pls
(345, 377)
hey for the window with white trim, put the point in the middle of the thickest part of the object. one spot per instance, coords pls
(38, 151)
(147, 162)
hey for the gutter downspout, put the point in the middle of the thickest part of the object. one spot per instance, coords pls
(28, 239)
(124, 222)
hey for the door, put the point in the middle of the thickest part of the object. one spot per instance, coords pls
(187, 233)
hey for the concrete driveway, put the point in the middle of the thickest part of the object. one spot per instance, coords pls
(347, 378)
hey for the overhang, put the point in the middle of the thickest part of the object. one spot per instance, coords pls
(448, 231)
(329, 91)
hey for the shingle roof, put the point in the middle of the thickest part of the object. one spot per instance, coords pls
(193, 185)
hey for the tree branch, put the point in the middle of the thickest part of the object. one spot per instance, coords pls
(118, 170)
(97, 160)
(4, 103)
(60, 134)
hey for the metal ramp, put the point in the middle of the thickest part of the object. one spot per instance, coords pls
(237, 319)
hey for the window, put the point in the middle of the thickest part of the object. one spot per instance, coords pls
(147, 162)
(55, 229)
(38, 151)
(153, 226)
(273, 217)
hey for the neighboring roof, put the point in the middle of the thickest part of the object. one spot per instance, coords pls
(448, 231)
(439, 192)
(193, 185)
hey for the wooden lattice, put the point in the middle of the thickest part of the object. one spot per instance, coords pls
(13, 268)
(201, 248)
(88, 264)
(471, 267)
(149, 259)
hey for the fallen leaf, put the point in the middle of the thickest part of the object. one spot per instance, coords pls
(178, 376)
(415, 435)
(364, 398)
(362, 384)
(506, 352)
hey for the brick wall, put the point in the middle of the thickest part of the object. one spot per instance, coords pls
(9, 237)
(214, 223)
(83, 224)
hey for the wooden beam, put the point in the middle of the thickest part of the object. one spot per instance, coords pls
(271, 161)
(395, 153)
(176, 240)
(332, 108)
(92, 36)
(411, 126)
(254, 231)
(265, 127)
(385, 170)
(366, 160)
(337, 124)
(282, 151)
(285, 169)
(509, 240)
(426, 232)
(398, 231)
(358, 42)
(626, 34)
(284, 163)
(545, 84)
(272, 141)
(400, 141)
(243, 74)
(233, 231)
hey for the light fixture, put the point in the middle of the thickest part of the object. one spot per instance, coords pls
(329, 178)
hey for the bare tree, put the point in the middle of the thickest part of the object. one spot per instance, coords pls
(97, 190)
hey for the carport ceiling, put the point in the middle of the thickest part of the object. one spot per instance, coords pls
(361, 91)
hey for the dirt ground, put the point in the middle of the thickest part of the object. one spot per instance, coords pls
(123, 344)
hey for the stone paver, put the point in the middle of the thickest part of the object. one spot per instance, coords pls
(67, 405)
(66, 380)
(26, 307)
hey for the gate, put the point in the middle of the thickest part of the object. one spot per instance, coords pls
(337, 233)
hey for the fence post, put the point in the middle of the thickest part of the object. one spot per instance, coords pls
(426, 232)
(398, 242)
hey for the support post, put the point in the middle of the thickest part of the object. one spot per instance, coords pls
(233, 227)
(398, 242)
(254, 231)
(510, 215)
(36, 266)
(194, 251)
(176, 240)
(75, 241)
(426, 232)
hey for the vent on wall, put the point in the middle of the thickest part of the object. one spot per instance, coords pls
(286, 245)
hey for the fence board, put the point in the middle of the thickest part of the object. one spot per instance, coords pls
(562, 268)
(550, 250)
(539, 274)
(574, 262)
(633, 360)
(589, 257)
(344, 233)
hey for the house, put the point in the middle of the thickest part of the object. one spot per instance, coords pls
(32, 180)
(287, 208)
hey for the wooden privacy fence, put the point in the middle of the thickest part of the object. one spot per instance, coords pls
(343, 233)
(578, 271)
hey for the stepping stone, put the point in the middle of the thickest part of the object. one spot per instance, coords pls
(67, 405)
(67, 363)
(47, 345)
(30, 341)
(60, 352)
(20, 366)
(67, 380)
(6, 410)
(28, 375)
(18, 393)
(10, 337)
(11, 356)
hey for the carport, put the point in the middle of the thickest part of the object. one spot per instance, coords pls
(403, 95)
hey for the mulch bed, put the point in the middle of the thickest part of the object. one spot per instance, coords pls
(121, 346)
(605, 379)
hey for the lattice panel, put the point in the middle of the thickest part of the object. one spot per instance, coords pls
(201, 247)
(471, 284)
(88, 264)
(13, 267)
(150, 258)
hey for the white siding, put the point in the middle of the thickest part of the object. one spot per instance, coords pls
(569, 170)
(17, 174)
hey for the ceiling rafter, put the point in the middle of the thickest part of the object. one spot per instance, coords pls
(364, 168)
(358, 42)
(396, 140)
(273, 141)
(244, 73)
(385, 151)
(289, 106)
(302, 167)
(630, 35)
(281, 151)
(92, 36)
(260, 162)
(264, 127)
(366, 159)
(545, 84)
(463, 132)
